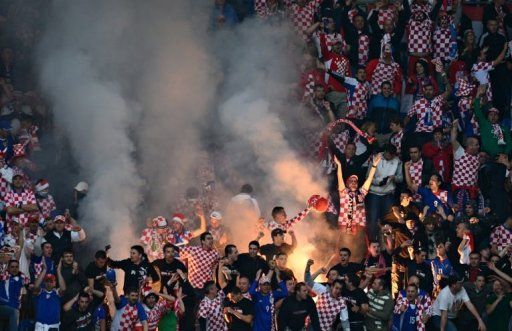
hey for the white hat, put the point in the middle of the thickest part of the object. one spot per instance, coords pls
(216, 214)
(82, 187)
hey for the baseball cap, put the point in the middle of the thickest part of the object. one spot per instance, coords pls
(276, 232)
(82, 187)
(216, 214)
(49, 278)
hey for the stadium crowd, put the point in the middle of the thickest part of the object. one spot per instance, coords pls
(408, 112)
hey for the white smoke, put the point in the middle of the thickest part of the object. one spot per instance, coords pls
(128, 81)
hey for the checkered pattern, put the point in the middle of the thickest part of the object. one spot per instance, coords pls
(329, 308)
(424, 7)
(331, 38)
(129, 318)
(396, 140)
(155, 242)
(5, 276)
(386, 14)
(211, 310)
(340, 140)
(415, 171)
(465, 170)
(363, 47)
(339, 64)
(5, 187)
(358, 99)
(201, 264)
(13, 199)
(423, 304)
(419, 36)
(351, 14)
(352, 211)
(501, 237)
(288, 224)
(383, 72)
(484, 67)
(46, 206)
(180, 239)
(156, 313)
(302, 17)
(443, 43)
(428, 113)
(262, 10)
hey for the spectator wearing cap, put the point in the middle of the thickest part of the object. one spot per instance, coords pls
(221, 234)
(44, 199)
(495, 137)
(448, 304)
(181, 236)
(278, 245)
(62, 239)
(264, 299)
(20, 202)
(48, 299)
(154, 237)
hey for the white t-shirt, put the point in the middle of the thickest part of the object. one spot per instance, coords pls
(449, 302)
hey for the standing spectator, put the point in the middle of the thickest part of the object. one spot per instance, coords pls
(62, 239)
(330, 304)
(384, 69)
(499, 307)
(448, 304)
(270, 251)
(154, 238)
(383, 107)
(357, 302)
(239, 311)
(380, 306)
(20, 201)
(12, 283)
(421, 269)
(439, 151)
(501, 237)
(48, 299)
(345, 267)
(410, 313)
(478, 292)
(296, 308)
(79, 313)
(442, 268)
(420, 170)
(264, 300)
(249, 263)
(210, 312)
(246, 201)
(201, 261)
(137, 270)
(129, 311)
(44, 199)
(168, 265)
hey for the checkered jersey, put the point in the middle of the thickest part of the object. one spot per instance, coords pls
(443, 43)
(383, 72)
(200, 263)
(428, 113)
(46, 205)
(14, 199)
(396, 140)
(211, 310)
(423, 304)
(465, 168)
(156, 313)
(363, 48)
(358, 95)
(464, 105)
(4, 188)
(288, 224)
(352, 211)
(423, 7)
(129, 318)
(415, 171)
(329, 308)
(155, 242)
(302, 17)
(339, 64)
(340, 140)
(419, 36)
(480, 71)
(501, 237)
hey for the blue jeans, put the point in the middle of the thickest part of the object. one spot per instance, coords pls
(11, 315)
(436, 322)
(377, 206)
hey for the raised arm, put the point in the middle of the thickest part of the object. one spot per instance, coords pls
(368, 182)
(339, 172)
(62, 282)
(202, 218)
(410, 184)
(453, 135)
(501, 56)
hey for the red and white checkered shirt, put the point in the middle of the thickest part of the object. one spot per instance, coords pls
(14, 199)
(424, 7)
(501, 237)
(156, 313)
(396, 140)
(428, 113)
(211, 310)
(419, 36)
(443, 43)
(383, 72)
(302, 17)
(423, 307)
(352, 210)
(46, 206)
(481, 71)
(465, 168)
(288, 224)
(329, 308)
(340, 140)
(358, 95)
(415, 171)
(4, 187)
(363, 48)
(339, 64)
(155, 242)
(129, 317)
(201, 263)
